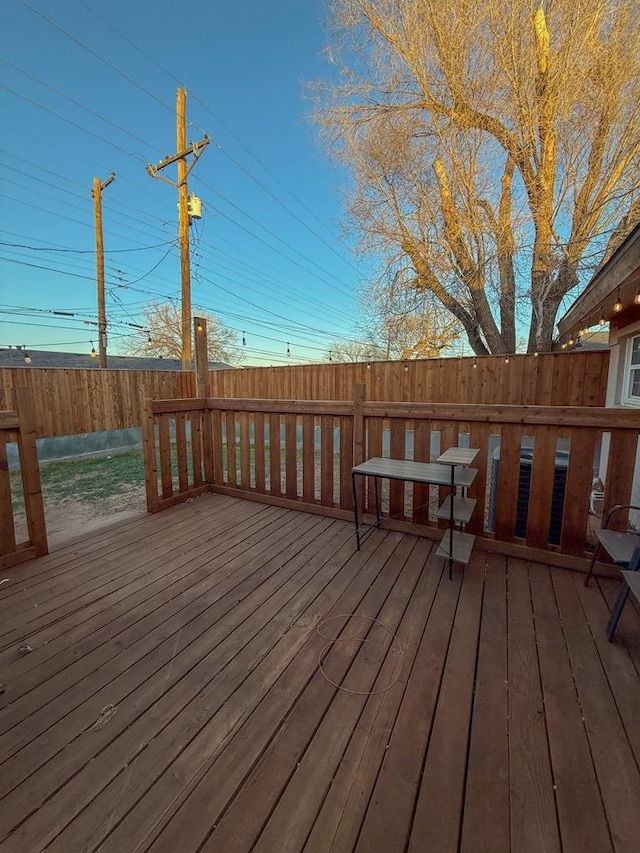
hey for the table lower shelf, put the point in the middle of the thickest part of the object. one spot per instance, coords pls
(462, 546)
(462, 509)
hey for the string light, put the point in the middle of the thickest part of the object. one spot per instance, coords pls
(92, 354)
(148, 337)
(330, 358)
(244, 340)
(506, 361)
(618, 304)
(406, 368)
(475, 363)
(571, 342)
(602, 321)
(368, 365)
(636, 298)
(288, 350)
(536, 353)
(27, 357)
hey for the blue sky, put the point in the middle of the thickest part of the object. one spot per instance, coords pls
(268, 257)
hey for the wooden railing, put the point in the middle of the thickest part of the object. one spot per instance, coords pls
(17, 425)
(300, 454)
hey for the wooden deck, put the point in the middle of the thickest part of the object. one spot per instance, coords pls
(173, 700)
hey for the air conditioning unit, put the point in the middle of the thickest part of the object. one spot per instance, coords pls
(524, 487)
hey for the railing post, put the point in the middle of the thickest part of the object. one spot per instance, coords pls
(30, 470)
(202, 358)
(149, 452)
(359, 395)
(203, 390)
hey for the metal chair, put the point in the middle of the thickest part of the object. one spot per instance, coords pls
(629, 581)
(620, 546)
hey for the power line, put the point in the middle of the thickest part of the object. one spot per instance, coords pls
(151, 59)
(78, 103)
(95, 54)
(83, 251)
(67, 120)
(284, 242)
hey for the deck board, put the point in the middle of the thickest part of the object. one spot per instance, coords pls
(173, 699)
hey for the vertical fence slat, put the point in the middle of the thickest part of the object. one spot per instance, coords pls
(245, 451)
(575, 517)
(397, 451)
(181, 452)
(541, 486)
(308, 459)
(479, 437)
(30, 471)
(510, 441)
(374, 449)
(275, 462)
(232, 449)
(421, 453)
(326, 460)
(8, 538)
(258, 438)
(291, 456)
(196, 447)
(149, 454)
(619, 478)
(448, 438)
(216, 447)
(166, 476)
(346, 462)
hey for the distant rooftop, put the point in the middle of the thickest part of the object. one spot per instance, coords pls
(11, 357)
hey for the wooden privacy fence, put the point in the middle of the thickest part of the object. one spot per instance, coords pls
(17, 425)
(554, 379)
(70, 402)
(535, 462)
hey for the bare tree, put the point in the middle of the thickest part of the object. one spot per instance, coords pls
(399, 323)
(163, 335)
(493, 146)
(349, 351)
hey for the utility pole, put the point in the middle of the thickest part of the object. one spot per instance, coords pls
(180, 157)
(96, 192)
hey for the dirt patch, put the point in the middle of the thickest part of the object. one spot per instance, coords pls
(77, 516)
(81, 495)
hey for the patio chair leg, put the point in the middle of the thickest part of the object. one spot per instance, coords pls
(592, 566)
(616, 613)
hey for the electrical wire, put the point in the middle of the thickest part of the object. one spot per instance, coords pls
(199, 100)
(95, 54)
(345, 288)
(78, 104)
(85, 251)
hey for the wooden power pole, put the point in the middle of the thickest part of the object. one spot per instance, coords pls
(180, 157)
(96, 192)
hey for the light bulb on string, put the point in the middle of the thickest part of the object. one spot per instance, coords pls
(636, 298)
(244, 340)
(618, 306)
(288, 350)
